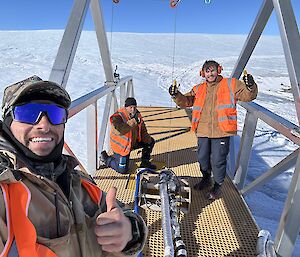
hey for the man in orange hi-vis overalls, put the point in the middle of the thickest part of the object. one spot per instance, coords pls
(214, 119)
(128, 132)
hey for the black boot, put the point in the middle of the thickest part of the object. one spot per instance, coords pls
(147, 164)
(215, 192)
(147, 149)
(205, 182)
(103, 158)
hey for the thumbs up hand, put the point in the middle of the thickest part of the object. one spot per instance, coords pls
(113, 229)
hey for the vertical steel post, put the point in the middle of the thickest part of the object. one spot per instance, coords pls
(245, 149)
(92, 138)
(65, 56)
(102, 39)
(289, 225)
(253, 37)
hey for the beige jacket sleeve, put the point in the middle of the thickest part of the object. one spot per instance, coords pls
(186, 100)
(243, 93)
(146, 138)
(122, 127)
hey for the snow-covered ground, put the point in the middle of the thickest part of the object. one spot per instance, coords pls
(149, 58)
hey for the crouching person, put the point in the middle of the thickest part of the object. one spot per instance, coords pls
(47, 206)
(128, 132)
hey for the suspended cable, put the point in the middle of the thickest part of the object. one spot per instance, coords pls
(174, 43)
(116, 74)
(111, 27)
(173, 80)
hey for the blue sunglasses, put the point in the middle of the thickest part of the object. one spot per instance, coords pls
(31, 113)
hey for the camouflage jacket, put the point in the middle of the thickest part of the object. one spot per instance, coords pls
(77, 213)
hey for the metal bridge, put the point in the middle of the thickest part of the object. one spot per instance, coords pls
(200, 227)
(224, 227)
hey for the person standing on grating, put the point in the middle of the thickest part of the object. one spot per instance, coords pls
(214, 119)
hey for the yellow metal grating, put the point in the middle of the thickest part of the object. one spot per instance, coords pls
(223, 227)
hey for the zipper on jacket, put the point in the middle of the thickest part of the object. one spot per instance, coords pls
(58, 226)
(57, 192)
(214, 109)
(53, 177)
(69, 198)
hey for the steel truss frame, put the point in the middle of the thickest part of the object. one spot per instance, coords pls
(290, 223)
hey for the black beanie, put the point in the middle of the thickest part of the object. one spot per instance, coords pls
(130, 101)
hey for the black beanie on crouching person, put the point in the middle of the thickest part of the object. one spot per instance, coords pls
(130, 101)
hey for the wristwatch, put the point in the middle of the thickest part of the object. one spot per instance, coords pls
(136, 235)
(135, 231)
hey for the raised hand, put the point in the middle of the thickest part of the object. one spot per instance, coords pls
(173, 89)
(113, 228)
(136, 117)
(248, 79)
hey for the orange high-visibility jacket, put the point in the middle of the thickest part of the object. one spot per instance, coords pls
(122, 144)
(35, 209)
(22, 236)
(225, 106)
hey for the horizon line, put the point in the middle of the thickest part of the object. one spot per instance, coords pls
(135, 32)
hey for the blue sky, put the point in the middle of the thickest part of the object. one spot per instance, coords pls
(193, 16)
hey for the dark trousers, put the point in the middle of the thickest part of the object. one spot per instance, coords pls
(120, 163)
(212, 156)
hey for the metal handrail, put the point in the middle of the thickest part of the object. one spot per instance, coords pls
(89, 102)
(255, 112)
(288, 226)
(84, 101)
